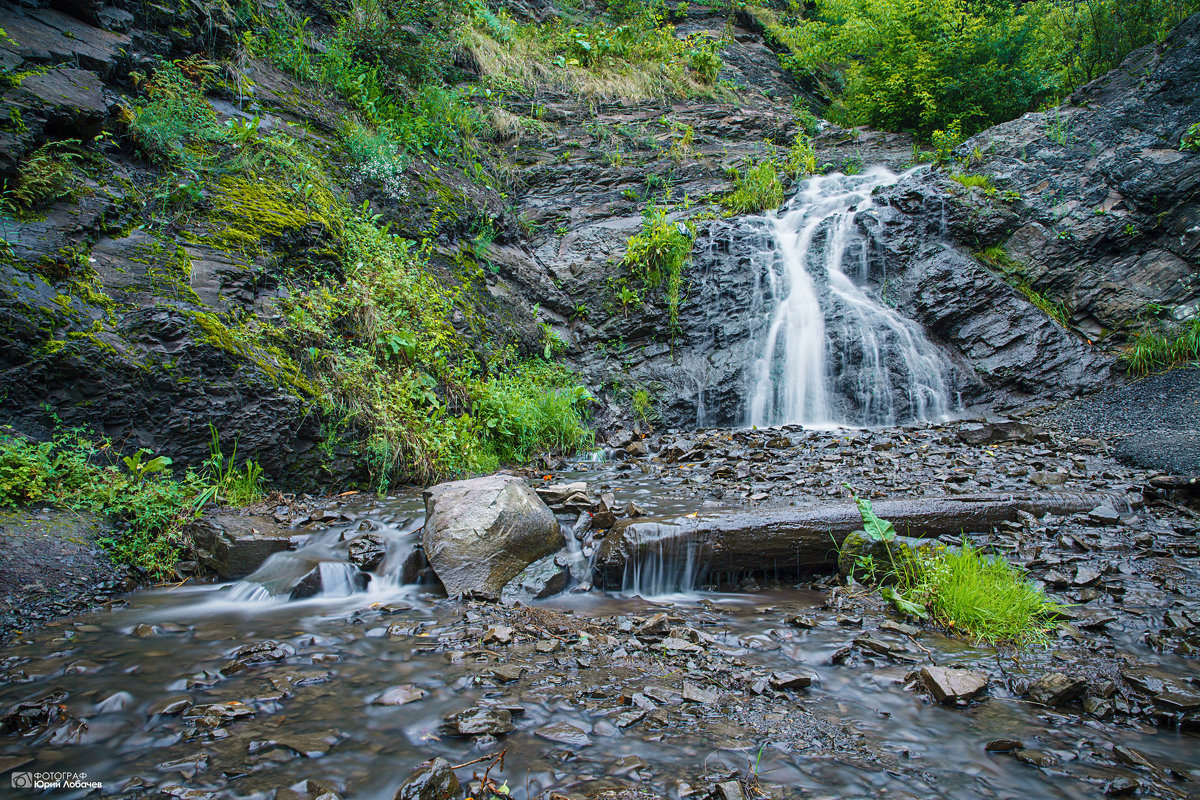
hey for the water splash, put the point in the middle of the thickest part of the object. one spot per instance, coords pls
(832, 352)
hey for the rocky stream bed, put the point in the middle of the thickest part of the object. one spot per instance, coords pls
(795, 683)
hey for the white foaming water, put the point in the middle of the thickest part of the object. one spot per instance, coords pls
(833, 354)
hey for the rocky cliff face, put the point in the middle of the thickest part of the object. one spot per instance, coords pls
(115, 308)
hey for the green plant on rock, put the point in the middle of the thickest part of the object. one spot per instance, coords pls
(975, 182)
(48, 174)
(1162, 348)
(964, 590)
(68, 471)
(172, 122)
(227, 482)
(759, 189)
(802, 159)
(1190, 141)
(944, 141)
(658, 255)
(705, 60)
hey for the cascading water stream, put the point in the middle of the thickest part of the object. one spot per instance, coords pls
(832, 352)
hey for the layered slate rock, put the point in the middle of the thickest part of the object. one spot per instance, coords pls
(481, 533)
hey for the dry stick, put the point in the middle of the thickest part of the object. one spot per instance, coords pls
(481, 758)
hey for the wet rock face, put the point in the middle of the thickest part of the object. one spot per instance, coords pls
(1094, 205)
(481, 533)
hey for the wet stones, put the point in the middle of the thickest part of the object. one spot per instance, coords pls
(236, 546)
(564, 733)
(950, 686)
(399, 695)
(480, 722)
(367, 552)
(481, 533)
(785, 681)
(256, 654)
(1056, 689)
(433, 780)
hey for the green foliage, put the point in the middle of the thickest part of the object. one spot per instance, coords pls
(172, 122)
(64, 472)
(802, 159)
(658, 255)
(630, 53)
(537, 406)
(944, 141)
(408, 42)
(980, 596)
(975, 182)
(705, 61)
(1190, 141)
(226, 482)
(1014, 274)
(642, 409)
(918, 65)
(48, 174)
(140, 470)
(1155, 350)
(964, 590)
(758, 189)
(391, 360)
(1083, 39)
(877, 530)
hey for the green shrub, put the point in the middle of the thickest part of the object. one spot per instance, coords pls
(1190, 141)
(172, 123)
(759, 188)
(918, 65)
(48, 174)
(658, 256)
(537, 407)
(975, 182)
(1083, 39)
(705, 60)
(802, 159)
(150, 508)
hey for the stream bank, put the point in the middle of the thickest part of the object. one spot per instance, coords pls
(797, 688)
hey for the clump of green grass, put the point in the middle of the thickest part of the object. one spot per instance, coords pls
(1152, 351)
(980, 596)
(966, 591)
(975, 182)
(758, 189)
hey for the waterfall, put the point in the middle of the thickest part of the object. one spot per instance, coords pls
(832, 352)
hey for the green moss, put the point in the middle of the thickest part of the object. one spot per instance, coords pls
(272, 362)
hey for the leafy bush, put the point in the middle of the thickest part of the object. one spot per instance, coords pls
(48, 174)
(536, 407)
(918, 65)
(1083, 39)
(172, 123)
(802, 159)
(658, 255)
(64, 471)
(760, 187)
(410, 41)
(705, 60)
(1190, 141)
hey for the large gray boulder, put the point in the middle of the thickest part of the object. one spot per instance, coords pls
(481, 533)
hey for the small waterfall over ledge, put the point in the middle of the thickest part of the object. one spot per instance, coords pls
(832, 352)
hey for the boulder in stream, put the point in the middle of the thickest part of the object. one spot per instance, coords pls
(433, 780)
(236, 546)
(482, 532)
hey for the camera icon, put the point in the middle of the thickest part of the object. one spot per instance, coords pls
(22, 780)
